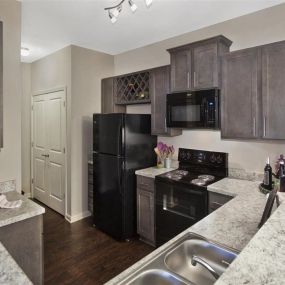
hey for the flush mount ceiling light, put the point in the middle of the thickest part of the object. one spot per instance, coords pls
(114, 11)
(25, 51)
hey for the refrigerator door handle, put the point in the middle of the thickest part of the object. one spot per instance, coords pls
(120, 171)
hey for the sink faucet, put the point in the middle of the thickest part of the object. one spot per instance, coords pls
(195, 259)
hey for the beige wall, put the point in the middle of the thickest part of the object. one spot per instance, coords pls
(26, 127)
(50, 72)
(88, 67)
(80, 71)
(255, 29)
(10, 155)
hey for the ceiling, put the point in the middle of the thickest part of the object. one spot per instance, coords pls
(49, 25)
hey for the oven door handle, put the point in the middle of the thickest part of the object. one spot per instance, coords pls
(165, 208)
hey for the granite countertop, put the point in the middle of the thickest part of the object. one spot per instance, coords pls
(10, 272)
(27, 210)
(153, 171)
(236, 225)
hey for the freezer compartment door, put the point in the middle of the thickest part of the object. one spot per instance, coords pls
(108, 134)
(108, 194)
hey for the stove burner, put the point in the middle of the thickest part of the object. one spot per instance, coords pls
(198, 181)
(206, 177)
(181, 172)
(174, 176)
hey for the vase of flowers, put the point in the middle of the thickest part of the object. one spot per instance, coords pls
(164, 154)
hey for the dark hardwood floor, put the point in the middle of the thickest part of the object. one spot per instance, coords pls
(80, 254)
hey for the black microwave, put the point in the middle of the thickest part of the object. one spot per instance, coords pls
(194, 109)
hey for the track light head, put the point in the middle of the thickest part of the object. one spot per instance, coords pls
(112, 17)
(133, 6)
(148, 3)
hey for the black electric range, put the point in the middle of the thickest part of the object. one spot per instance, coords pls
(181, 195)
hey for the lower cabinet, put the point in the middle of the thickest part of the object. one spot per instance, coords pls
(217, 200)
(145, 209)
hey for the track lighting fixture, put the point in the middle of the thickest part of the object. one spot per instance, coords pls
(114, 11)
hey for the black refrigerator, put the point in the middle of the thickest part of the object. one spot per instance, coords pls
(122, 143)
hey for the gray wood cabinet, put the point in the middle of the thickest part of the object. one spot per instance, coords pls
(217, 200)
(273, 86)
(159, 87)
(240, 104)
(197, 65)
(24, 241)
(145, 209)
(180, 70)
(108, 97)
(253, 100)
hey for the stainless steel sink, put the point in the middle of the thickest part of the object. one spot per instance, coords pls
(192, 260)
(157, 277)
(199, 261)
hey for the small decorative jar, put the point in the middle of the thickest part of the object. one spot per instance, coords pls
(167, 163)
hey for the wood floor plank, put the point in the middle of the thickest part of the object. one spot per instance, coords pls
(78, 253)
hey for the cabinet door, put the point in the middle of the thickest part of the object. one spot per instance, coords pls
(145, 215)
(181, 70)
(107, 98)
(205, 66)
(240, 94)
(159, 87)
(273, 86)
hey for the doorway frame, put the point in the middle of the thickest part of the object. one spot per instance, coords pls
(48, 91)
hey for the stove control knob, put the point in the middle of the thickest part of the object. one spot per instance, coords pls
(188, 155)
(219, 159)
(213, 158)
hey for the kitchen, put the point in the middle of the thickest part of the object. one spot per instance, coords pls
(245, 135)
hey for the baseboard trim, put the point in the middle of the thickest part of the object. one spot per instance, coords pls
(78, 217)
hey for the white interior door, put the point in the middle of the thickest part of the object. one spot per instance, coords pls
(48, 142)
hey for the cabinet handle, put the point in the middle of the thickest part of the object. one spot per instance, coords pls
(188, 79)
(165, 127)
(45, 155)
(254, 126)
(264, 126)
(194, 78)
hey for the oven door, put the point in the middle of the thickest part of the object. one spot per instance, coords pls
(177, 208)
(192, 110)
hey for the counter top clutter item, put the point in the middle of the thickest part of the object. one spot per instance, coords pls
(4, 203)
(164, 155)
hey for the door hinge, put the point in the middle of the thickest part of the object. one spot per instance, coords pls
(32, 144)
(63, 103)
(63, 150)
(32, 107)
(32, 180)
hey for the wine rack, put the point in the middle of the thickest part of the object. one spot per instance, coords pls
(132, 88)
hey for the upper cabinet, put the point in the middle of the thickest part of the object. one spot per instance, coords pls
(197, 65)
(240, 94)
(273, 91)
(108, 97)
(253, 100)
(159, 87)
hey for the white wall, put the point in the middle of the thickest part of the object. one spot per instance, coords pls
(10, 155)
(254, 29)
